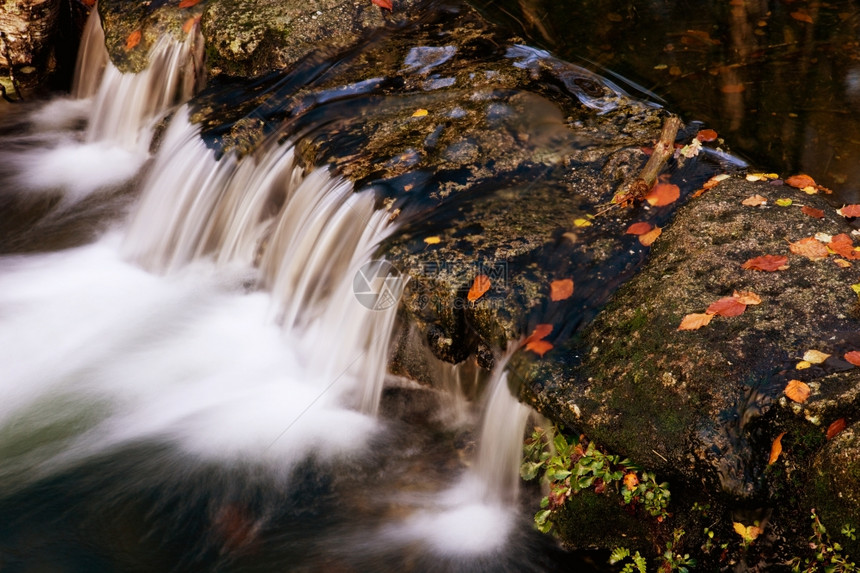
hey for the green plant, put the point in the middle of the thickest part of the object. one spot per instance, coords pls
(636, 564)
(673, 560)
(828, 556)
(653, 496)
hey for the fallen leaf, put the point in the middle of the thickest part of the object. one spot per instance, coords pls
(695, 321)
(419, 112)
(784, 202)
(648, 238)
(842, 244)
(842, 263)
(540, 332)
(754, 201)
(748, 532)
(539, 347)
(480, 285)
(715, 180)
(849, 211)
(811, 248)
(728, 306)
(190, 23)
(747, 297)
(797, 391)
(823, 237)
(384, 4)
(812, 212)
(432, 240)
(775, 450)
(835, 428)
(802, 16)
(560, 290)
(753, 177)
(815, 356)
(802, 365)
(581, 222)
(639, 228)
(768, 263)
(852, 356)
(188, 3)
(631, 480)
(133, 40)
(663, 194)
(733, 88)
(706, 135)
(800, 181)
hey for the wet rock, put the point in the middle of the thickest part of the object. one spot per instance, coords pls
(27, 32)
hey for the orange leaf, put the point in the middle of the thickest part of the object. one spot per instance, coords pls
(810, 247)
(843, 245)
(190, 23)
(560, 290)
(835, 428)
(802, 16)
(133, 40)
(842, 263)
(639, 228)
(849, 211)
(775, 449)
(800, 181)
(648, 238)
(540, 332)
(631, 480)
(706, 135)
(89, 3)
(853, 357)
(797, 391)
(188, 3)
(480, 285)
(747, 297)
(663, 194)
(766, 263)
(728, 306)
(733, 88)
(539, 347)
(388, 6)
(695, 321)
(812, 212)
(754, 201)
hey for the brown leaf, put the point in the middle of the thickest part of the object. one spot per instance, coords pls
(539, 347)
(706, 135)
(797, 391)
(385, 4)
(849, 211)
(133, 40)
(800, 181)
(754, 201)
(540, 332)
(853, 357)
(695, 321)
(775, 449)
(728, 306)
(812, 212)
(639, 228)
(767, 263)
(188, 3)
(811, 248)
(843, 245)
(802, 16)
(480, 285)
(747, 297)
(835, 428)
(560, 290)
(648, 238)
(663, 194)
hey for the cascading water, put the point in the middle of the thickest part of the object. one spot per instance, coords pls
(205, 370)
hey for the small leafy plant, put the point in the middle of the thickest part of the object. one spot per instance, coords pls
(637, 563)
(828, 554)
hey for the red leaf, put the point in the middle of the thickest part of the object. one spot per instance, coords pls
(663, 194)
(133, 40)
(384, 4)
(706, 135)
(540, 332)
(539, 347)
(843, 245)
(766, 263)
(188, 3)
(849, 211)
(853, 357)
(728, 306)
(835, 428)
(812, 212)
(639, 228)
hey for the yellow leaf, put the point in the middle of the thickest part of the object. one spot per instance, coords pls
(815, 356)
(420, 113)
(695, 321)
(797, 391)
(842, 263)
(647, 239)
(756, 177)
(432, 240)
(581, 222)
(783, 202)
(803, 365)
(810, 190)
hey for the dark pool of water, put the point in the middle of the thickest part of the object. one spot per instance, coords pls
(778, 79)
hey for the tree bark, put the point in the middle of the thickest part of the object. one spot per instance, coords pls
(27, 55)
